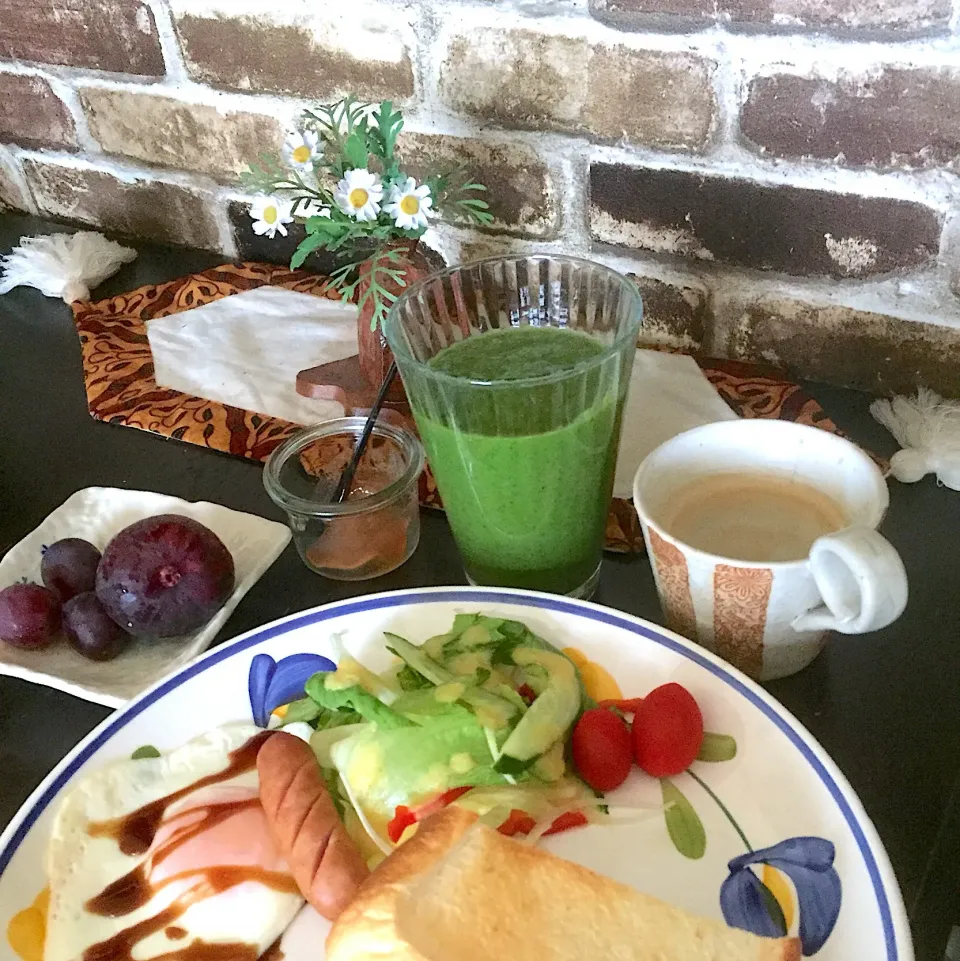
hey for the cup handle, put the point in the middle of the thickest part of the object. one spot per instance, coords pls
(861, 579)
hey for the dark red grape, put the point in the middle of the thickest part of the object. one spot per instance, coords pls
(90, 630)
(29, 616)
(164, 575)
(69, 567)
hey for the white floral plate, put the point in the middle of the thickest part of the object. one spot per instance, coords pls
(811, 840)
(96, 514)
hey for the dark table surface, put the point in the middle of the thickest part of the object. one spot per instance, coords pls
(886, 707)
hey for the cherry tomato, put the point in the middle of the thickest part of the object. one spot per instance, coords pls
(667, 731)
(601, 749)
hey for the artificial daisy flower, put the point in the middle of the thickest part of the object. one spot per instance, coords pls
(269, 214)
(308, 207)
(299, 149)
(409, 204)
(359, 194)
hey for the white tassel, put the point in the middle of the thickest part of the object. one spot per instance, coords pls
(927, 427)
(63, 265)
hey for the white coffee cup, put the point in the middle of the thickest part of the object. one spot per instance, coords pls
(771, 619)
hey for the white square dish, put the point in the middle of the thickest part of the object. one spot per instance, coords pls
(96, 514)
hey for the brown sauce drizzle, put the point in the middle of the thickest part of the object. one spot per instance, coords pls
(135, 833)
(135, 889)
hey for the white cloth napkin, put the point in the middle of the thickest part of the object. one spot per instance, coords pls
(246, 350)
(668, 395)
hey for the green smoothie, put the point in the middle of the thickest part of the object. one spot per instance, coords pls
(525, 470)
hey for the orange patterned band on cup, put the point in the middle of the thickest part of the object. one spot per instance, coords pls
(740, 599)
(674, 580)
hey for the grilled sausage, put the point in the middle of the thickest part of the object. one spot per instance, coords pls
(323, 859)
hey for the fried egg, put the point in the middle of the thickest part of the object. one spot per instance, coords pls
(133, 876)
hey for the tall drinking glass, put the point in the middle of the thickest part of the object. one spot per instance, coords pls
(516, 370)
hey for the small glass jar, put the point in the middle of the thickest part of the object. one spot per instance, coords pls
(373, 531)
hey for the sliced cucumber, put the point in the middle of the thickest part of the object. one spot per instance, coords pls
(418, 659)
(490, 709)
(551, 765)
(551, 714)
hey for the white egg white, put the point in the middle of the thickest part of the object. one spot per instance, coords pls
(79, 866)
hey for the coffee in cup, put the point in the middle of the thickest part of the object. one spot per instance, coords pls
(762, 539)
(752, 516)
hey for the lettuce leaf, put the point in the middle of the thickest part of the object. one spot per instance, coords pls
(423, 706)
(410, 680)
(306, 709)
(355, 699)
(413, 765)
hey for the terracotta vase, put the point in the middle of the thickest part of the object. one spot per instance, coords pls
(375, 356)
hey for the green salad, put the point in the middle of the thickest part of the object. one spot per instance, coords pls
(479, 716)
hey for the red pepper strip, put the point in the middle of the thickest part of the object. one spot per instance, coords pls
(572, 819)
(440, 801)
(518, 822)
(404, 816)
(527, 693)
(402, 819)
(629, 705)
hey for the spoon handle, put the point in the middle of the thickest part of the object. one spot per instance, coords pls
(346, 478)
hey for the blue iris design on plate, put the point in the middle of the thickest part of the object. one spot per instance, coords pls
(808, 861)
(274, 683)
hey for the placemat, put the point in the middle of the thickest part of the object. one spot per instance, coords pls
(119, 379)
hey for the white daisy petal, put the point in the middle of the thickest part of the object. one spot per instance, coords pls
(300, 149)
(269, 215)
(359, 194)
(409, 204)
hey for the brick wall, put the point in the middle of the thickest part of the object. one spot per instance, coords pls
(780, 175)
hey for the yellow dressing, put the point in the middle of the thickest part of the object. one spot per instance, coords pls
(551, 765)
(27, 930)
(598, 681)
(365, 769)
(467, 663)
(434, 779)
(349, 672)
(461, 763)
(448, 693)
(780, 889)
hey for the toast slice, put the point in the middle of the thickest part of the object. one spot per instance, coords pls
(494, 897)
(459, 891)
(366, 930)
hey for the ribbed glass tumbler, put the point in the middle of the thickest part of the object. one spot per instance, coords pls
(516, 370)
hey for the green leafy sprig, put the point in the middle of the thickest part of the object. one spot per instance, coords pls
(357, 135)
